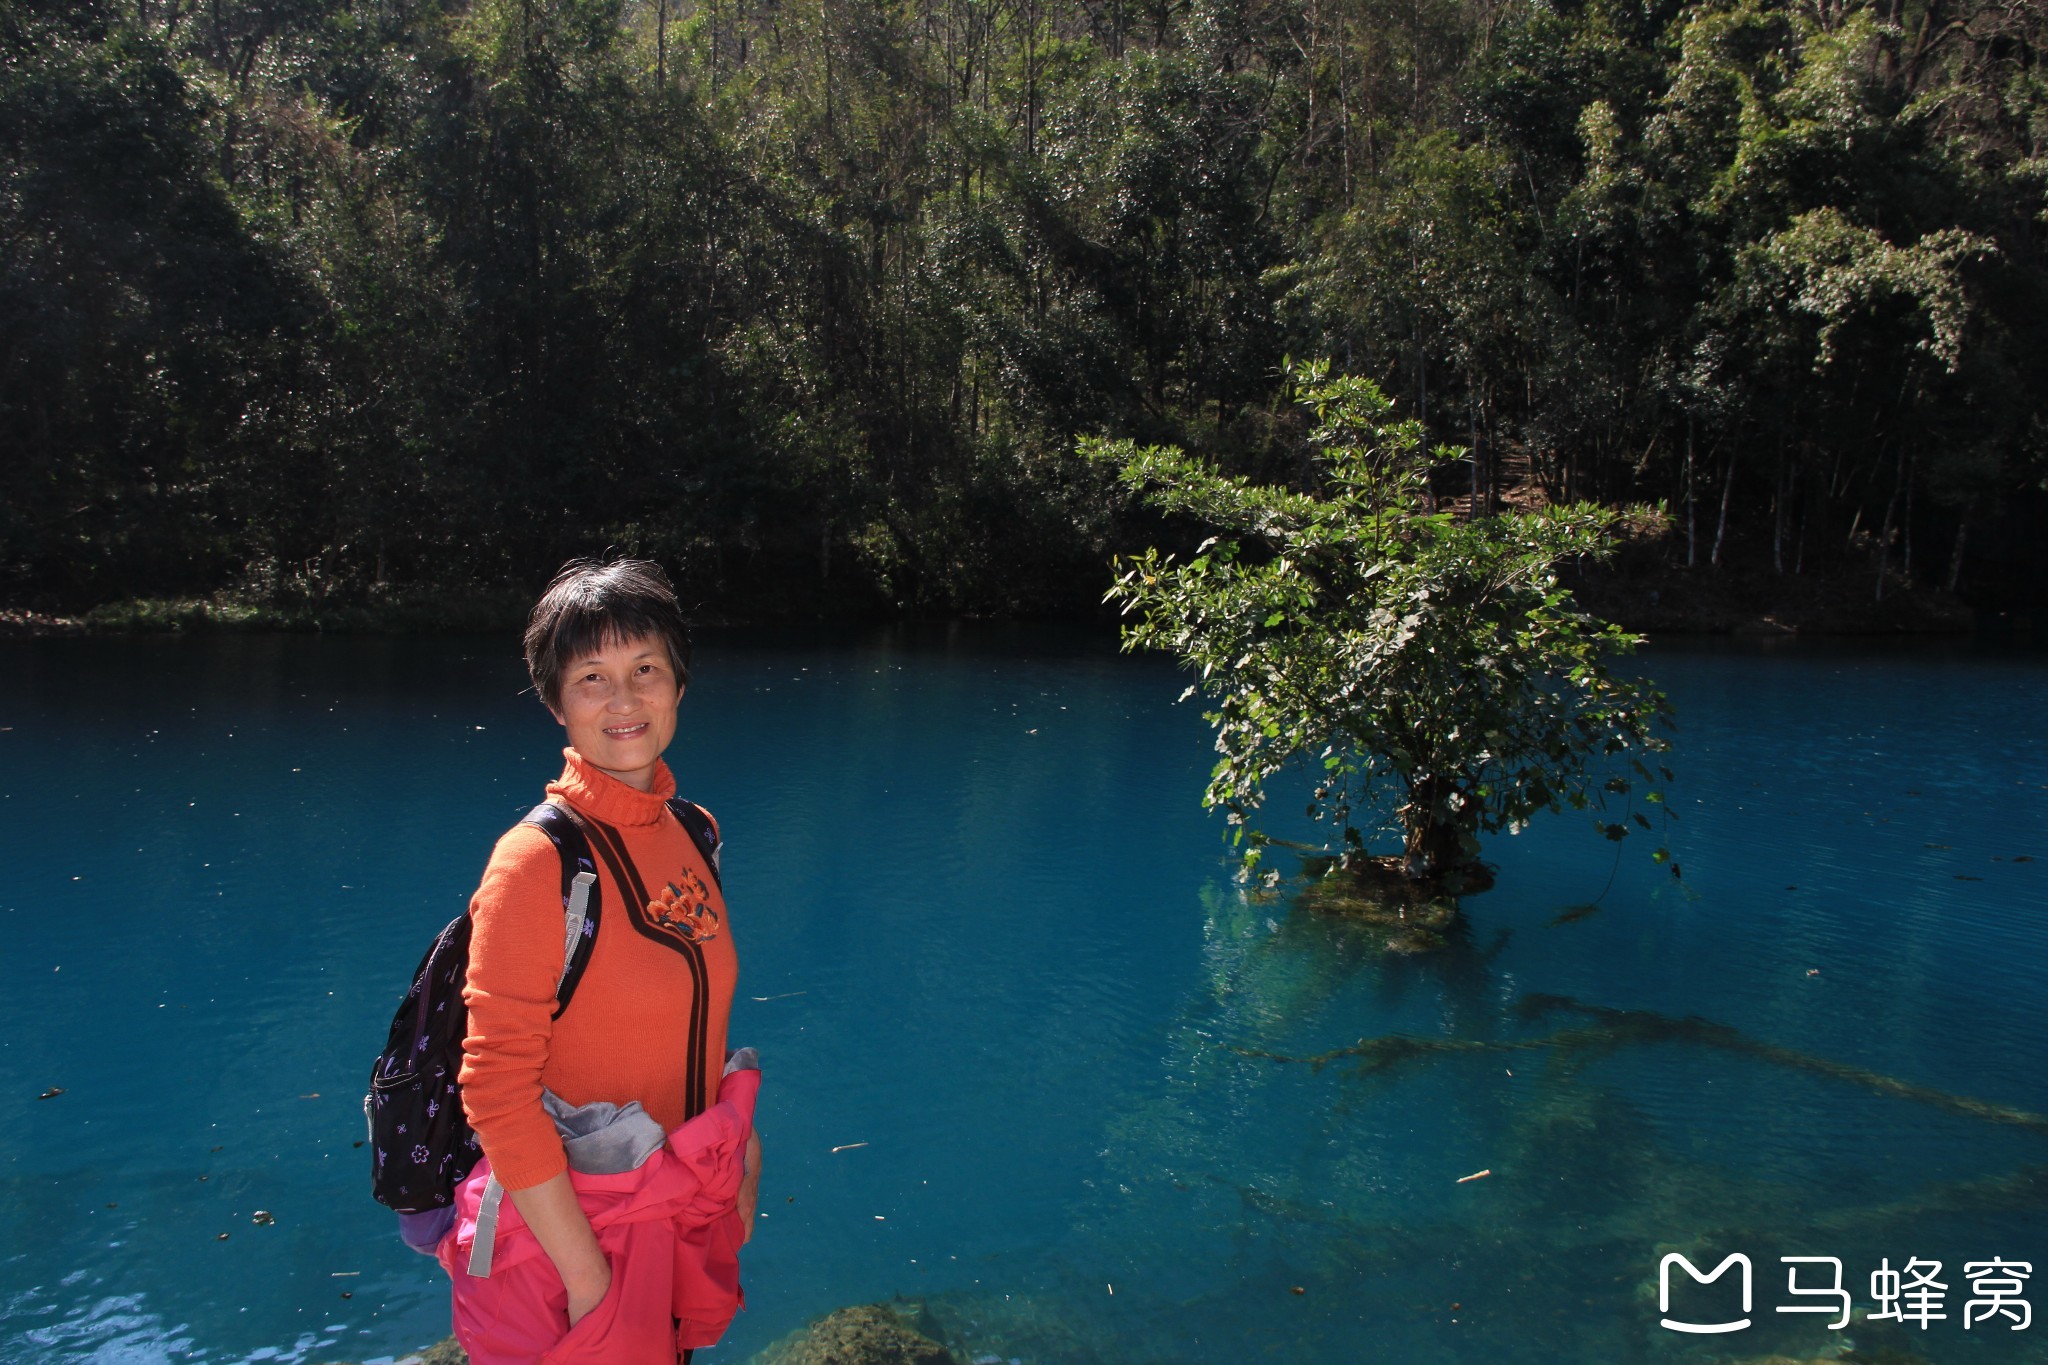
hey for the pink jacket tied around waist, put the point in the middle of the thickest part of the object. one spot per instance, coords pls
(671, 1230)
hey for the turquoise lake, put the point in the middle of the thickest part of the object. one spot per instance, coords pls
(991, 952)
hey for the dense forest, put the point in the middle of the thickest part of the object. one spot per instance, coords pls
(328, 301)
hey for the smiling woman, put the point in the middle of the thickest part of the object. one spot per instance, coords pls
(626, 1070)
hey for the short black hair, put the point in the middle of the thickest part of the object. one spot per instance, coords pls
(592, 604)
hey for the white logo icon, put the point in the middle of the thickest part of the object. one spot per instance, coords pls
(1664, 1292)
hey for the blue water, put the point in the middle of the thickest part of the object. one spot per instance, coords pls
(986, 931)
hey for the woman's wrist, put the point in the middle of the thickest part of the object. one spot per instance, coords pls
(559, 1225)
(587, 1273)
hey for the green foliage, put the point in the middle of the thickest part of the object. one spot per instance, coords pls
(1404, 653)
(307, 301)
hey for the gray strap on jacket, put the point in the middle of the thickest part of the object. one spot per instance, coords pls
(486, 1229)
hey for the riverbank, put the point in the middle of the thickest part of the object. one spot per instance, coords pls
(1654, 600)
(393, 613)
(1665, 599)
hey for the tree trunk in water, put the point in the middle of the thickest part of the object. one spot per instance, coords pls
(1430, 847)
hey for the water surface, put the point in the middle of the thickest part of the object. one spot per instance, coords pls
(987, 933)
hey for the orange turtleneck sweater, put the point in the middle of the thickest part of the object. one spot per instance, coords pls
(648, 1019)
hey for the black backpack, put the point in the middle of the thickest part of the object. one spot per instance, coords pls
(420, 1139)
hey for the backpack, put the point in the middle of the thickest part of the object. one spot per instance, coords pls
(421, 1143)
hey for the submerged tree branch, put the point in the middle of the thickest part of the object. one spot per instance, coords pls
(1618, 1028)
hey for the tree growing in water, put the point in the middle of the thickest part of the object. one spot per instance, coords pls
(1409, 655)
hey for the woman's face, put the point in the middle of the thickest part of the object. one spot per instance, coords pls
(619, 706)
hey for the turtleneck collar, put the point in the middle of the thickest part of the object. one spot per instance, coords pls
(597, 793)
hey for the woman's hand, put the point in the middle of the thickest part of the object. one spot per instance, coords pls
(557, 1222)
(750, 1186)
(584, 1297)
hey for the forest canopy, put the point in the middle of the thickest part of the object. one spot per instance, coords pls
(317, 300)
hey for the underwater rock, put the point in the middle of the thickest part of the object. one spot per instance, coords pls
(443, 1352)
(870, 1334)
(1416, 916)
(1842, 1354)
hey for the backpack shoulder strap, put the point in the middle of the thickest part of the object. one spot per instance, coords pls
(703, 832)
(581, 901)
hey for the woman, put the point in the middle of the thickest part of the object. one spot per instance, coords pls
(609, 653)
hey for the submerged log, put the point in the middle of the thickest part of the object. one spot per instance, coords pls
(1618, 1027)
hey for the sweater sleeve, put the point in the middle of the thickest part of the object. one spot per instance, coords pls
(515, 962)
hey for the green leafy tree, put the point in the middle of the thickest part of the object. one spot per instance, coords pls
(1404, 653)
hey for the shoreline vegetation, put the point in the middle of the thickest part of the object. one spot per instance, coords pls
(1657, 601)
